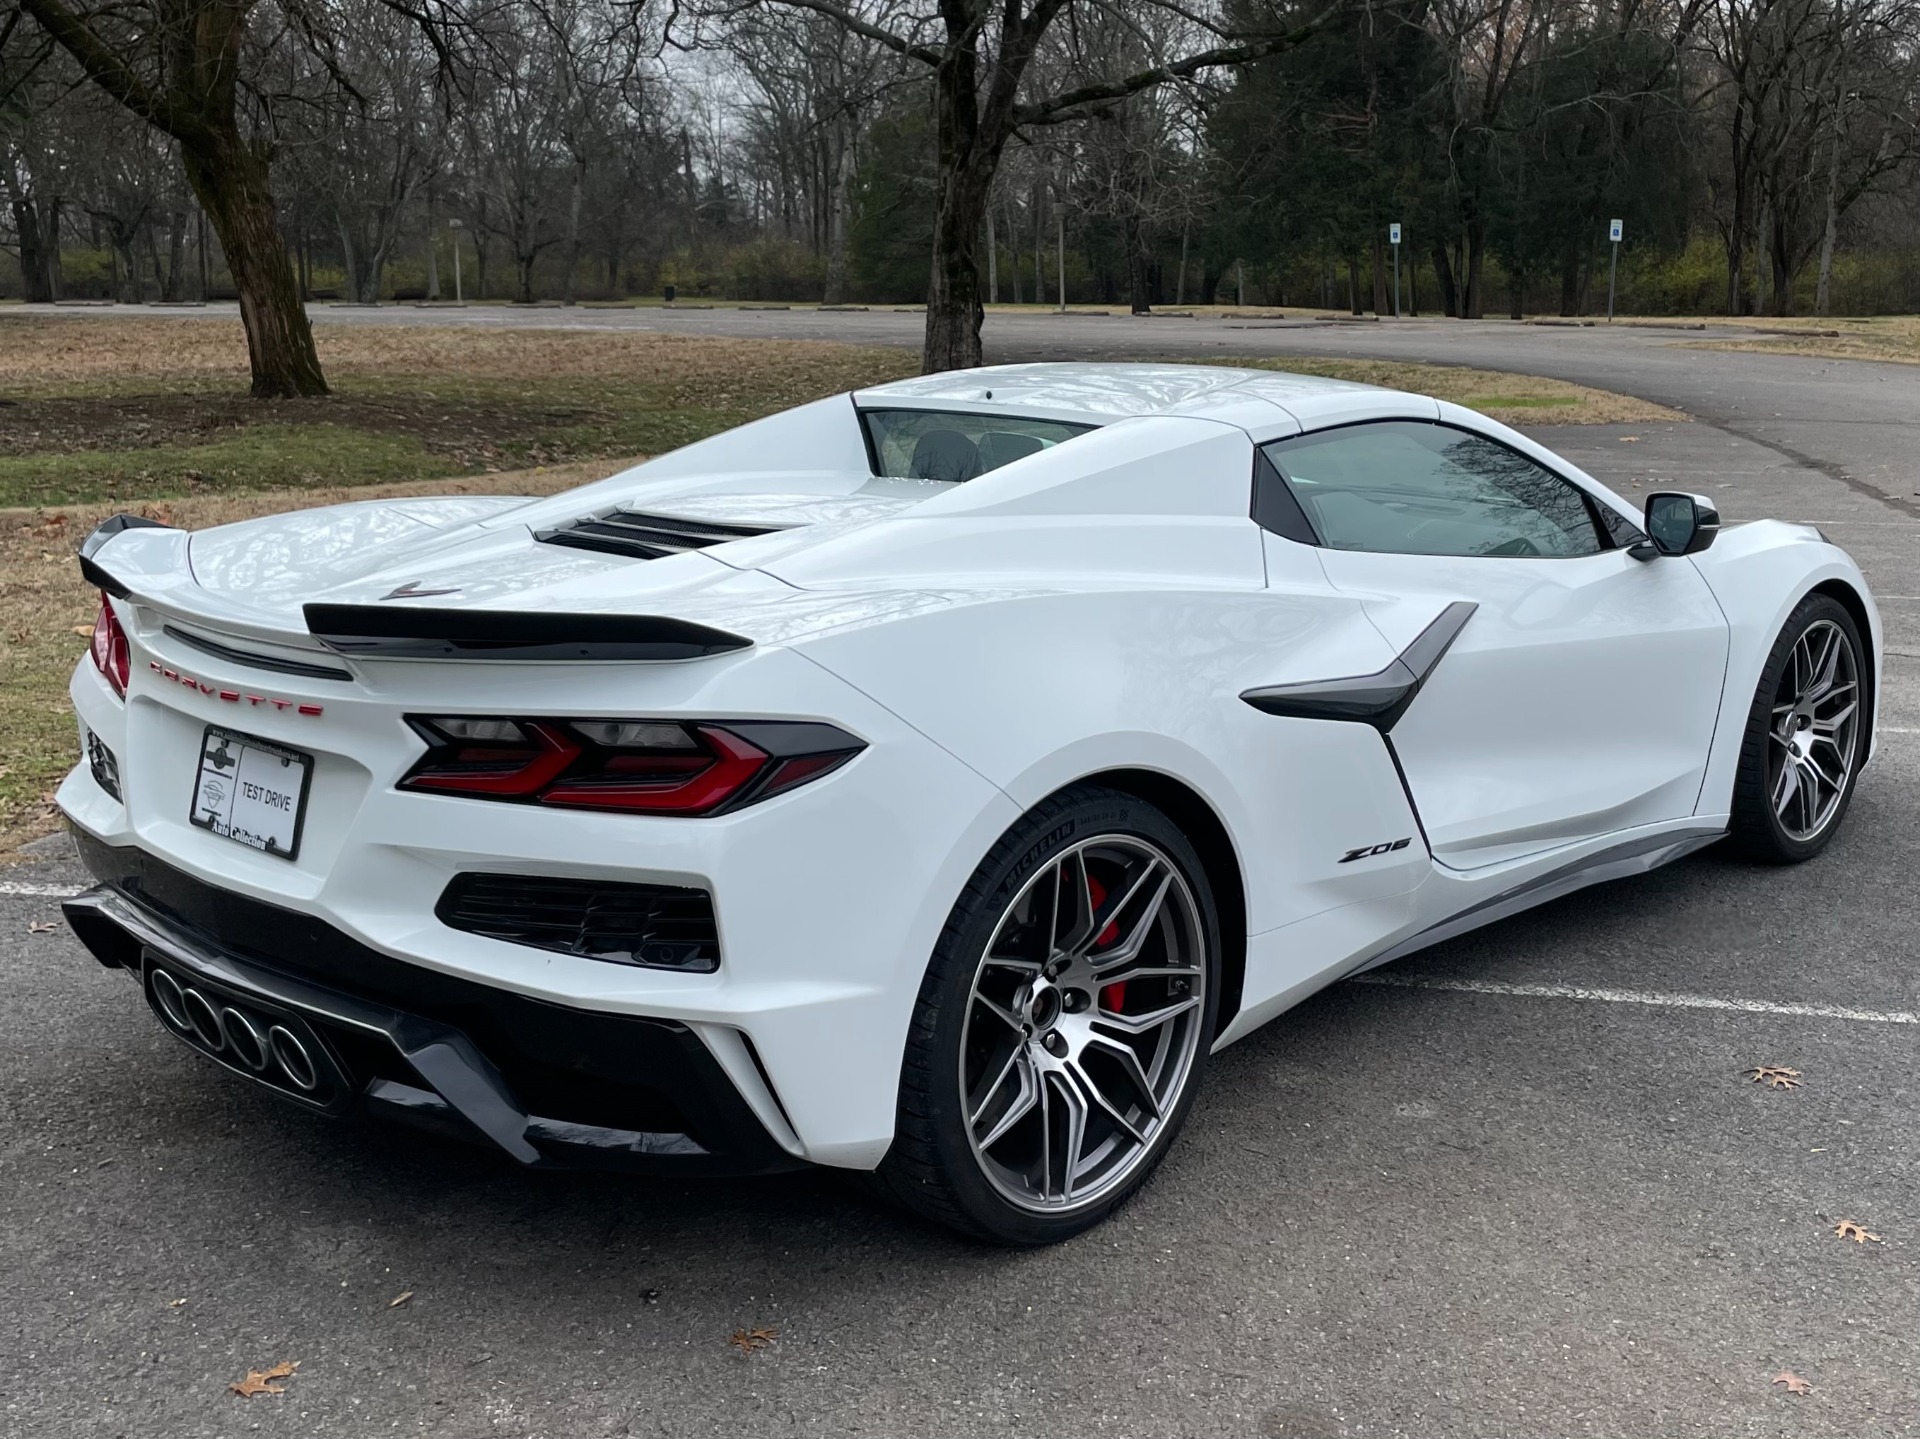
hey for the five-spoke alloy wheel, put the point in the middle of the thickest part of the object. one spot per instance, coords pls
(1062, 1025)
(1806, 736)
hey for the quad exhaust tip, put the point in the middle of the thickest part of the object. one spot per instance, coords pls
(276, 1053)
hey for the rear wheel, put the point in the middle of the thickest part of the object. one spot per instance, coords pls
(1062, 1025)
(1806, 736)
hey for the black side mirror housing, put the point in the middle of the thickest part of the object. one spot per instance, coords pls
(1677, 524)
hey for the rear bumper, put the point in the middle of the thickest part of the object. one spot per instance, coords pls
(548, 1085)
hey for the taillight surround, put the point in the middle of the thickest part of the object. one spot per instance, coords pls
(686, 768)
(111, 655)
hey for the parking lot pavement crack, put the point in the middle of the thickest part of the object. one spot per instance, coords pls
(1652, 998)
(1829, 468)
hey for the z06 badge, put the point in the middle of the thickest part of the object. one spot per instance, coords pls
(1368, 851)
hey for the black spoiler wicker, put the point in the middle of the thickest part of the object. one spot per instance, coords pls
(412, 633)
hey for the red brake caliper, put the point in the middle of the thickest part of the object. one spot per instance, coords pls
(1112, 996)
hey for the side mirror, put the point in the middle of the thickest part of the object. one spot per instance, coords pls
(1677, 524)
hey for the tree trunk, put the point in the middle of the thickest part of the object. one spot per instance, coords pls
(993, 262)
(176, 254)
(1139, 278)
(1823, 289)
(1829, 230)
(1473, 302)
(230, 179)
(835, 291)
(352, 270)
(1353, 286)
(36, 275)
(1013, 253)
(433, 244)
(1570, 279)
(1782, 274)
(1443, 271)
(1380, 301)
(1180, 285)
(569, 292)
(954, 311)
(1039, 269)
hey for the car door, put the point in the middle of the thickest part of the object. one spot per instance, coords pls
(1579, 697)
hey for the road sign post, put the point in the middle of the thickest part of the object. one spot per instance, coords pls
(1393, 238)
(1614, 231)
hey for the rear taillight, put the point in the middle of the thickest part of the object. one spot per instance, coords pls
(109, 646)
(689, 768)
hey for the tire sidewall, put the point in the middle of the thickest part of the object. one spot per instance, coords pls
(1026, 850)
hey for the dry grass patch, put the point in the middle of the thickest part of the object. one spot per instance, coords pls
(136, 409)
(1881, 337)
(1510, 399)
(48, 611)
(43, 352)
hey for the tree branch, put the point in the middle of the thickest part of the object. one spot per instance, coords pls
(1079, 103)
(925, 54)
(110, 71)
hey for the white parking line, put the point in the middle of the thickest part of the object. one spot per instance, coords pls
(40, 891)
(1641, 996)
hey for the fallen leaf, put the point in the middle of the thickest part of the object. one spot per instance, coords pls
(175, 1303)
(86, 630)
(258, 1380)
(1774, 1076)
(1629, 439)
(402, 1299)
(1795, 1384)
(748, 1340)
(1847, 1229)
(41, 927)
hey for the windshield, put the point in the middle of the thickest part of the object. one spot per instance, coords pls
(938, 445)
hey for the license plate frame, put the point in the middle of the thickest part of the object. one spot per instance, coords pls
(221, 782)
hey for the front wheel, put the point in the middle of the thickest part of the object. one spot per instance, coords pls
(1806, 736)
(1062, 1024)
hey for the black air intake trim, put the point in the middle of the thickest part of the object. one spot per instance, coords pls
(654, 926)
(646, 537)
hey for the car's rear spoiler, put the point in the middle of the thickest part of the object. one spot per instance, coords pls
(414, 633)
(91, 570)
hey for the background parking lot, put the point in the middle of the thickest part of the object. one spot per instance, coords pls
(1522, 1187)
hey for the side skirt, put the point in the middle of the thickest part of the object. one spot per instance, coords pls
(1620, 861)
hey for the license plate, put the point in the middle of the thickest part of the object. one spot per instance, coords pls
(251, 791)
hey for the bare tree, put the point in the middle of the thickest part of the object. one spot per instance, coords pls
(178, 65)
(369, 136)
(979, 55)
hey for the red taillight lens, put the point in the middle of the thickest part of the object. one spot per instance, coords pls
(636, 766)
(109, 645)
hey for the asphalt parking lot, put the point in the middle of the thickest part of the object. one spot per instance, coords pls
(1522, 1189)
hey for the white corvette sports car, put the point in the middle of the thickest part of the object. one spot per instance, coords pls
(924, 780)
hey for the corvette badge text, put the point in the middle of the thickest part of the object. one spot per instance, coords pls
(1368, 851)
(232, 696)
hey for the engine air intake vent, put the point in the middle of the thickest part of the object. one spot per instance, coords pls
(654, 926)
(646, 537)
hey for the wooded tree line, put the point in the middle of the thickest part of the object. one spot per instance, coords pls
(949, 152)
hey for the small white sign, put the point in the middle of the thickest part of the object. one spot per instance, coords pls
(1614, 230)
(1393, 234)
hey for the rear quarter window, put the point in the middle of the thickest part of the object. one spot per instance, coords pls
(955, 447)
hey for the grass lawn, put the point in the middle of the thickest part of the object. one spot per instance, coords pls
(101, 414)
